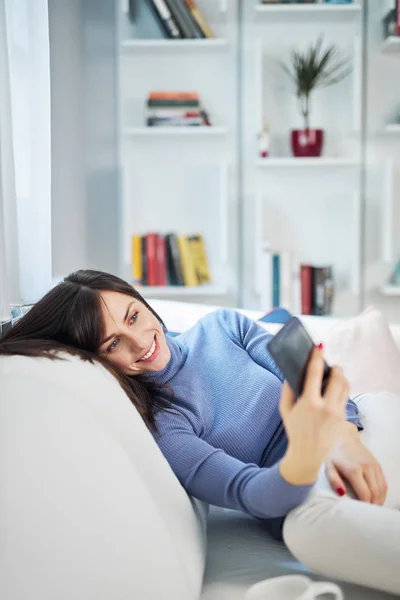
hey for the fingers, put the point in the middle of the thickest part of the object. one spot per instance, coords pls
(287, 401)
(337, 390)
(376, 482)
(314, 374)
(336, 482)
(359, 484)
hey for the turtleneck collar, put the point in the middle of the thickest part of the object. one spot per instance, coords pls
(177, 360)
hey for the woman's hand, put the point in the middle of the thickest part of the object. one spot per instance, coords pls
(352, 462)
(313, 423)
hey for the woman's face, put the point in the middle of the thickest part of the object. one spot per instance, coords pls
(134, 340)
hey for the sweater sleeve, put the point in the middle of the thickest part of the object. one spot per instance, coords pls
(254, 338)
(211, 475)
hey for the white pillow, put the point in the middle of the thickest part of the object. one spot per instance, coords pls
(91, 507)
(365, 348)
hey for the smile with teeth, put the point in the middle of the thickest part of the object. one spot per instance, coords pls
(149, 353)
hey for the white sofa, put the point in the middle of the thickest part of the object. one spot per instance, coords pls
(90, 509)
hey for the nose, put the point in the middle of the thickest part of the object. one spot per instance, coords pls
(137, 340)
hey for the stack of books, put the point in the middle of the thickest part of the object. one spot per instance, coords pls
(178, 18)
(169, 259)
(175, 109)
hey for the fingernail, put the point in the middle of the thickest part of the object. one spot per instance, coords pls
(320, 346)
(341, 491)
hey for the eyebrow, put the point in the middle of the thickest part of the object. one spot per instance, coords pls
(107, 339)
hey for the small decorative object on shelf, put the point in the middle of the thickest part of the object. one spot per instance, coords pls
(308, 70)
(176, 109)
(394, 279)
(169, 260)
(264, 142)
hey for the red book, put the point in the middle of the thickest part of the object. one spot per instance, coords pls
(151, 259)
(161, 258)
(306, 289)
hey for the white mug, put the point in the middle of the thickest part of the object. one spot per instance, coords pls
(292, 587)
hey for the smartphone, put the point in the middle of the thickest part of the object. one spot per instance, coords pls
(291, 349)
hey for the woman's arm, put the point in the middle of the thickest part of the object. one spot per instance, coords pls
(254, 339)
(213, 476)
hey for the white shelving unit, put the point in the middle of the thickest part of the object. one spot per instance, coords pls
(181, 179)
(393, 128)
(391, 45)
(301, 206)
(390, 290)
(175, 131)
(301, 163)
(181, 45)
(309, 10)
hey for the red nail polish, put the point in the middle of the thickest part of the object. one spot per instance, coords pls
(341, 491)
(320, 346)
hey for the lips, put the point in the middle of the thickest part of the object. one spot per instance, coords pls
(151, 353)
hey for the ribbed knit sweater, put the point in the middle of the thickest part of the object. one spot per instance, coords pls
(224, 438)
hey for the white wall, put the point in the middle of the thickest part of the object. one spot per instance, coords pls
(85, 186)
(67, 121)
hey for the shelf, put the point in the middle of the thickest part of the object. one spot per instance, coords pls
(179, 290)
(165, 44)
(391, 45)
(392, 128)
(307, 162)
(174, 131)
(390, 290)
(310, 10)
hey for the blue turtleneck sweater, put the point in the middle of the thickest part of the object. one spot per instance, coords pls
(224, 437)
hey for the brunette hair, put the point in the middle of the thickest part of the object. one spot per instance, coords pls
(69, 319)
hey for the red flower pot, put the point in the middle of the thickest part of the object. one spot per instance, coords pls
(307, 142)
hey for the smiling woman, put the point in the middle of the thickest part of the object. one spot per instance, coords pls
(234, 435)
(135, 340)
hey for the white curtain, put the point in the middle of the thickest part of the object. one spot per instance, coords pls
(25, 152)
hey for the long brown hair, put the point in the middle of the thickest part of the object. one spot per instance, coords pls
(69, 319)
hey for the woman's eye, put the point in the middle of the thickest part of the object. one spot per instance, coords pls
(112, 346)
(133, 317)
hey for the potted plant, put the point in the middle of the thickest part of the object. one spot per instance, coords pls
(315, 67)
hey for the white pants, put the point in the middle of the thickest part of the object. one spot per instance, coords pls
(347, 539)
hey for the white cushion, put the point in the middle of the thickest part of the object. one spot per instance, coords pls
(90, 507)
(364, 346)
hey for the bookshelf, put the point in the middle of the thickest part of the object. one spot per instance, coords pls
(301, 163)
(215, 130)
(211, 179)
(206, 45)
(283, 11)
(393, 128)
(181, 179)
(391, 45)
(301, 206)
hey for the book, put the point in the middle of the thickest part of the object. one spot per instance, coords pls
(161, 260)
(136, 252)
(398, 17)
(144, 261)
(164, 18)
(198, 250)
(199, 18)
(276, 280)
(306, 289)
(151, 258)
(184, 19)
(187, 262)
(174, 267)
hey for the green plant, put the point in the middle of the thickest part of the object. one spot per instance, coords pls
(315, 67)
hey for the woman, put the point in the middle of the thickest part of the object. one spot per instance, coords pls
(232, 432)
